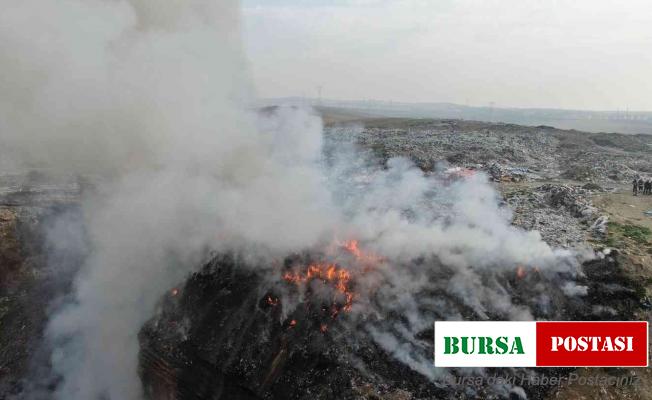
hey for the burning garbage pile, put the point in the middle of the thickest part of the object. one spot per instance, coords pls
(337, 324)
(281, 310)
(354, 318)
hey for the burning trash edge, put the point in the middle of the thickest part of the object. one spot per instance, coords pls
(541, 344)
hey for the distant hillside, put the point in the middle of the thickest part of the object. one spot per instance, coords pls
(628, 122)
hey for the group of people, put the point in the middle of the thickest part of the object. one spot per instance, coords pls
(642, 186)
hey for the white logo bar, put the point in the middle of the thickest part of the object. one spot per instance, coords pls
(485, 344)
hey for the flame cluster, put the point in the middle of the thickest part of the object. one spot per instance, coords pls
(339, 277)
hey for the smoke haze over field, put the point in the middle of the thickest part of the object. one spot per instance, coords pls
(153, 99)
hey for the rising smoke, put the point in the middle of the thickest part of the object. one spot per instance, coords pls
(151, 99)
(447, 244)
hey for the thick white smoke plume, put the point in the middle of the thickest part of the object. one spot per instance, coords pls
(150, 97)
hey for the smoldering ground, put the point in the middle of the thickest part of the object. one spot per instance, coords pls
(152, 100)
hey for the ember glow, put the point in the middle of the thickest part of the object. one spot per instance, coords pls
(520, 272)
(272, 301)
(335, 275)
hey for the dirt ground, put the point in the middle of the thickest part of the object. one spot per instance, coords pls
(623, 207)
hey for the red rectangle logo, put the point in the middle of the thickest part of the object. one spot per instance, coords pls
(592, 344)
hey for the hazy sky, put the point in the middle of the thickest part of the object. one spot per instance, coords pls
(585, 54)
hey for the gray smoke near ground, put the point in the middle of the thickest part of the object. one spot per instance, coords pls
(447, 245)
(152, 99)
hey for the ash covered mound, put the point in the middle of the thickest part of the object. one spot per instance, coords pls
(225, 335)
(307, 329)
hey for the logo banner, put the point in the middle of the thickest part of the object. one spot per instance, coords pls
(541, 344)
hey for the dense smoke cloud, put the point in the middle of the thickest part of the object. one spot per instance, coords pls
(151, 99)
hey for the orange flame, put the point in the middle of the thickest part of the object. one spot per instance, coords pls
(353, 247)
(339, 277)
